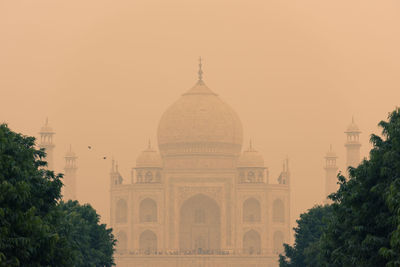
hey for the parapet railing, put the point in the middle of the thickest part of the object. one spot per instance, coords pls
(220, 252)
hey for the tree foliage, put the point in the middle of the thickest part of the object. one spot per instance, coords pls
(364, 230)
(92, 243)
(306, 249)
(36, 229)
(28, 196)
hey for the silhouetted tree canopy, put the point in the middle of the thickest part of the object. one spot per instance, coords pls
(35, 228)
(306, 249)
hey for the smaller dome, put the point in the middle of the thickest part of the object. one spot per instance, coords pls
(251, 158)
(353, 128)
(149, 158)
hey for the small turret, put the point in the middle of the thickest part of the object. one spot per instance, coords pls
(115, 177)
(251, 166)
(148, 166)
(284, 177)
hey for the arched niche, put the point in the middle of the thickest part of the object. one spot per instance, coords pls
(121, 212)
(148, 210)
(200, 224)
(278, 242)
(252, 242)
(148, 242)
(122, 242)
(278, 211)
(251, 211)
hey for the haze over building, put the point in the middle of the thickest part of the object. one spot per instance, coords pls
(200, 200)
(352, 146)
(46, 142)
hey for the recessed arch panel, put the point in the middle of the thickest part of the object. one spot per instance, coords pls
(278, 211)
(251, 211)
(122, 242)
(148, 242)
(278, 242)
(121, 213)
(148, 211)
(252, 242)
(200, 224)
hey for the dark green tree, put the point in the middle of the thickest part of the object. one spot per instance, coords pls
(364, 229)
(36, 229)
(92, 243)
(28, 196)
(306, 249)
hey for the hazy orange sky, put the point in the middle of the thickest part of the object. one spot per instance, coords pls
(105, 71)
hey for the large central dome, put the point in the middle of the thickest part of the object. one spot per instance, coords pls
(200, 123)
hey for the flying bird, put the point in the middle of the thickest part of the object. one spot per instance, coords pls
(89, 147)
(104, 157)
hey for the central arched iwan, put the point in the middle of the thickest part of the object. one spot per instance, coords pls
(200, 224)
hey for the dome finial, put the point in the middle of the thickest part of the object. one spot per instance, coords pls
(200, 71)
(149, 145)
(250, 145)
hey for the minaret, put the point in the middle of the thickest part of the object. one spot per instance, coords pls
(330, 173)
(70, 175)
(353, 145)
(46, 142)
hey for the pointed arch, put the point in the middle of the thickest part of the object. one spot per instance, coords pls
(200, 224)
(122, 242)
(251, 210)
(252, 242)
(121, 212)
(148, 210)
(148, 242)
(278, 242)
(278, 211)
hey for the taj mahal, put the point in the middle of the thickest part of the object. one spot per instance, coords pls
(200, 200)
